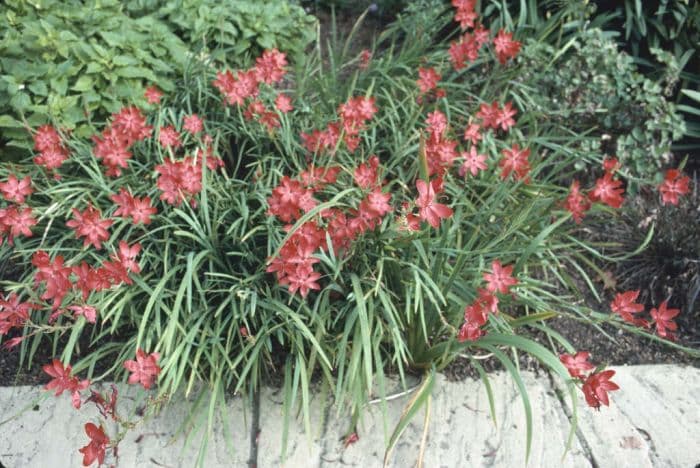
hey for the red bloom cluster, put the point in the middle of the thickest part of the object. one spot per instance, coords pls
(674, 185)
(427, 81)
(153, 95)
(90, 225)
(366, 175)
(294, 267)
(494, 116)
(269, 69)
(624, 305)
(289, 199)
(608, 190)
(354, 115)
(168, 137)
(128, 127)
(13, 312)
(465, 14)
(56, 276)
(16, 190)
(505, 46)
(577, 203)
(500, 280)
(596, 385)
(52, 153)
(139, 210)
(476, 315)
(257, 110)
(15, 221)
(179, 180)
(515, 161)
(466, 49)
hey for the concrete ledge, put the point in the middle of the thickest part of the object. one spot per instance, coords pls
(654, 420)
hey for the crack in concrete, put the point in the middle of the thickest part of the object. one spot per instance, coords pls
(324, 431)
(585, 446)
(254, 430)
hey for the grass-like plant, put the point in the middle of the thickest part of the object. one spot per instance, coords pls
(330, 219)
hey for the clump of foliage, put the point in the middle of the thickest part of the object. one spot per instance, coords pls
(356, 215)
(598, 88)
(231, 29)
(70, 62)
(75, 61)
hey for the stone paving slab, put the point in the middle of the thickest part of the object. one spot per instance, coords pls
(653, 421)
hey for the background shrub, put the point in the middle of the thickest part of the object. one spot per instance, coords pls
(76, 61)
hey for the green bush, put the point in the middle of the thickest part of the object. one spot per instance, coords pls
(232, 29)
(598, 90)
(76, 61)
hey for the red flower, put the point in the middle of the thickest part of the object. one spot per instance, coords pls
(674, 184)
(429, 210)
(624, 305)
(505, 46)
(64, 381)
(488, 114)
(472, 133)
(663, 318)
(153, 95)
(469, 332)
(89, 312)
(515, 161)
(270, 67)
(46, 138)
(13, 313)
(611, 164)
(112, 148)
(365, 58)
(139, 209)
(500, 279)
(283, 103)
(577, 364)
(473, 162)
(16, 222)
(351, 439)
(144, 369)
(377, 203)
(465, 14)
(52, 158)
(289, 199)
(90, 225)
(576, 203)
(428, 79)
(596, 386)
(169, 137)
(504, 119)
(130, 125)
(95, 450)
(127, 256)
(608, 190)
(54, 274)
(179, 180)
(193, 124)
(16, 190)
(366, 173)
(303, 279)
(466, 49)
